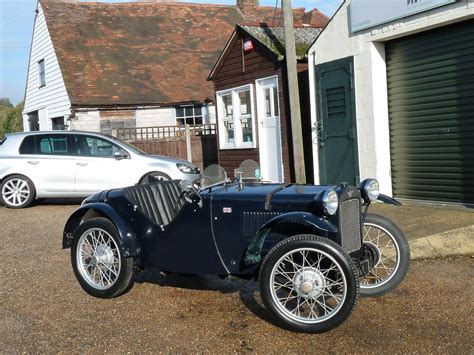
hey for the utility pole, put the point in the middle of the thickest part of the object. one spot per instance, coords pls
(294, 93)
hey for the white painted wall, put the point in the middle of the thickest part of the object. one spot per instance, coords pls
(86, 121)
(368, 49)
(51, 100)
(155, 117)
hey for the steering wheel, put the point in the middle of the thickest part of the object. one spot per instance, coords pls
(189, 190)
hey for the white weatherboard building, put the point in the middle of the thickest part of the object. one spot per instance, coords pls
(392, 97)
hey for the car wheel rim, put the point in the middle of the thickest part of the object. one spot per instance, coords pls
(16, 192)
(98, 258)
(308, 286)
(389, 256)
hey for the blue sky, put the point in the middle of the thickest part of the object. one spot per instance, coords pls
(16, 27)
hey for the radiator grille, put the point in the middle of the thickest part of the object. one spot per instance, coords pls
(349, 225)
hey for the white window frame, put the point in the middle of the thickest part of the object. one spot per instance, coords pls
(176, 118)
(238, 137)
(41, 73)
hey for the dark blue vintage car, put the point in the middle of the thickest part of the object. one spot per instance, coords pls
(314, 249)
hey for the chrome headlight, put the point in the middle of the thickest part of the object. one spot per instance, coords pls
(330, 202)
(188, 169)
(370, 190)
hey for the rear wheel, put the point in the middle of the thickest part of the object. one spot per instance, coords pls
(98, 261)
(392, 256)
(309, 284)
(17, 191)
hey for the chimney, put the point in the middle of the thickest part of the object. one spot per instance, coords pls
(247, 6)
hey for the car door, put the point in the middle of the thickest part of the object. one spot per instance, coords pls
(96, 166)
(48, 160)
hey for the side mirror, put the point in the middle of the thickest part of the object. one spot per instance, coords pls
(121, 155)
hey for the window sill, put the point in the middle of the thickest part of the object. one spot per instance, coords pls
(238, 148)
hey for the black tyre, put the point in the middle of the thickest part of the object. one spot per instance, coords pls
(309, 284)
(392, 254)
(98, 261)
(17, 191)
(154, 176)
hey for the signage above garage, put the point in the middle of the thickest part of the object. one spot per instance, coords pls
(369, 13)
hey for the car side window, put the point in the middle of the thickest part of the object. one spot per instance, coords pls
(96, 147)
(53, 145)
(28, 145)
(56, 144)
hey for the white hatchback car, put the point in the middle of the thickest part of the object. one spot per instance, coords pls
(64, 164)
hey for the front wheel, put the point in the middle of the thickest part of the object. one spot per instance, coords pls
(392, 256)
(309, 284)
(98, 261)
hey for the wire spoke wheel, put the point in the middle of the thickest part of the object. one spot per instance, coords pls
(388, 258)
(98, 258)
(309, 283)
(391, 256)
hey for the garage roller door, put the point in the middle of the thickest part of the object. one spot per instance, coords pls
(431, 109)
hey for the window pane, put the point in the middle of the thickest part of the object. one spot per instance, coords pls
(190, 120)
(198, 120)
(198, 111)
(276, 102)
(268, 104)
(101, 148)
(244, 97)
(180, 121)
(53, 145)
(229, 132)
(58, 123)
(28, 145)
(42, 81)
(188, 111)
(227, 99)
(179, 112)
(246, 123)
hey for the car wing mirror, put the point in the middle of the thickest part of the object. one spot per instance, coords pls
(121, 155)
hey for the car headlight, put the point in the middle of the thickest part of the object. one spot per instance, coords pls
(370, 190)
(188, 169)
(330, 202)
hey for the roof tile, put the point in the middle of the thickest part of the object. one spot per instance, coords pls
(144, 53)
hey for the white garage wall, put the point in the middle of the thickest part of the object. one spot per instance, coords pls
(368, 49)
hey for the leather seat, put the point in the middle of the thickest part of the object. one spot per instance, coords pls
(159, 201)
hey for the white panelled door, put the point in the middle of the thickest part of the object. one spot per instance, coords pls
(269, 133)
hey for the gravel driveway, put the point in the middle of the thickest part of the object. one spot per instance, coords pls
(45, 310)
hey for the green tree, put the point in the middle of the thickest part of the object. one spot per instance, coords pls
(11, 119)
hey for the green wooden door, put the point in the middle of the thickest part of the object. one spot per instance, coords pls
(336, 128)
(430, 79)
